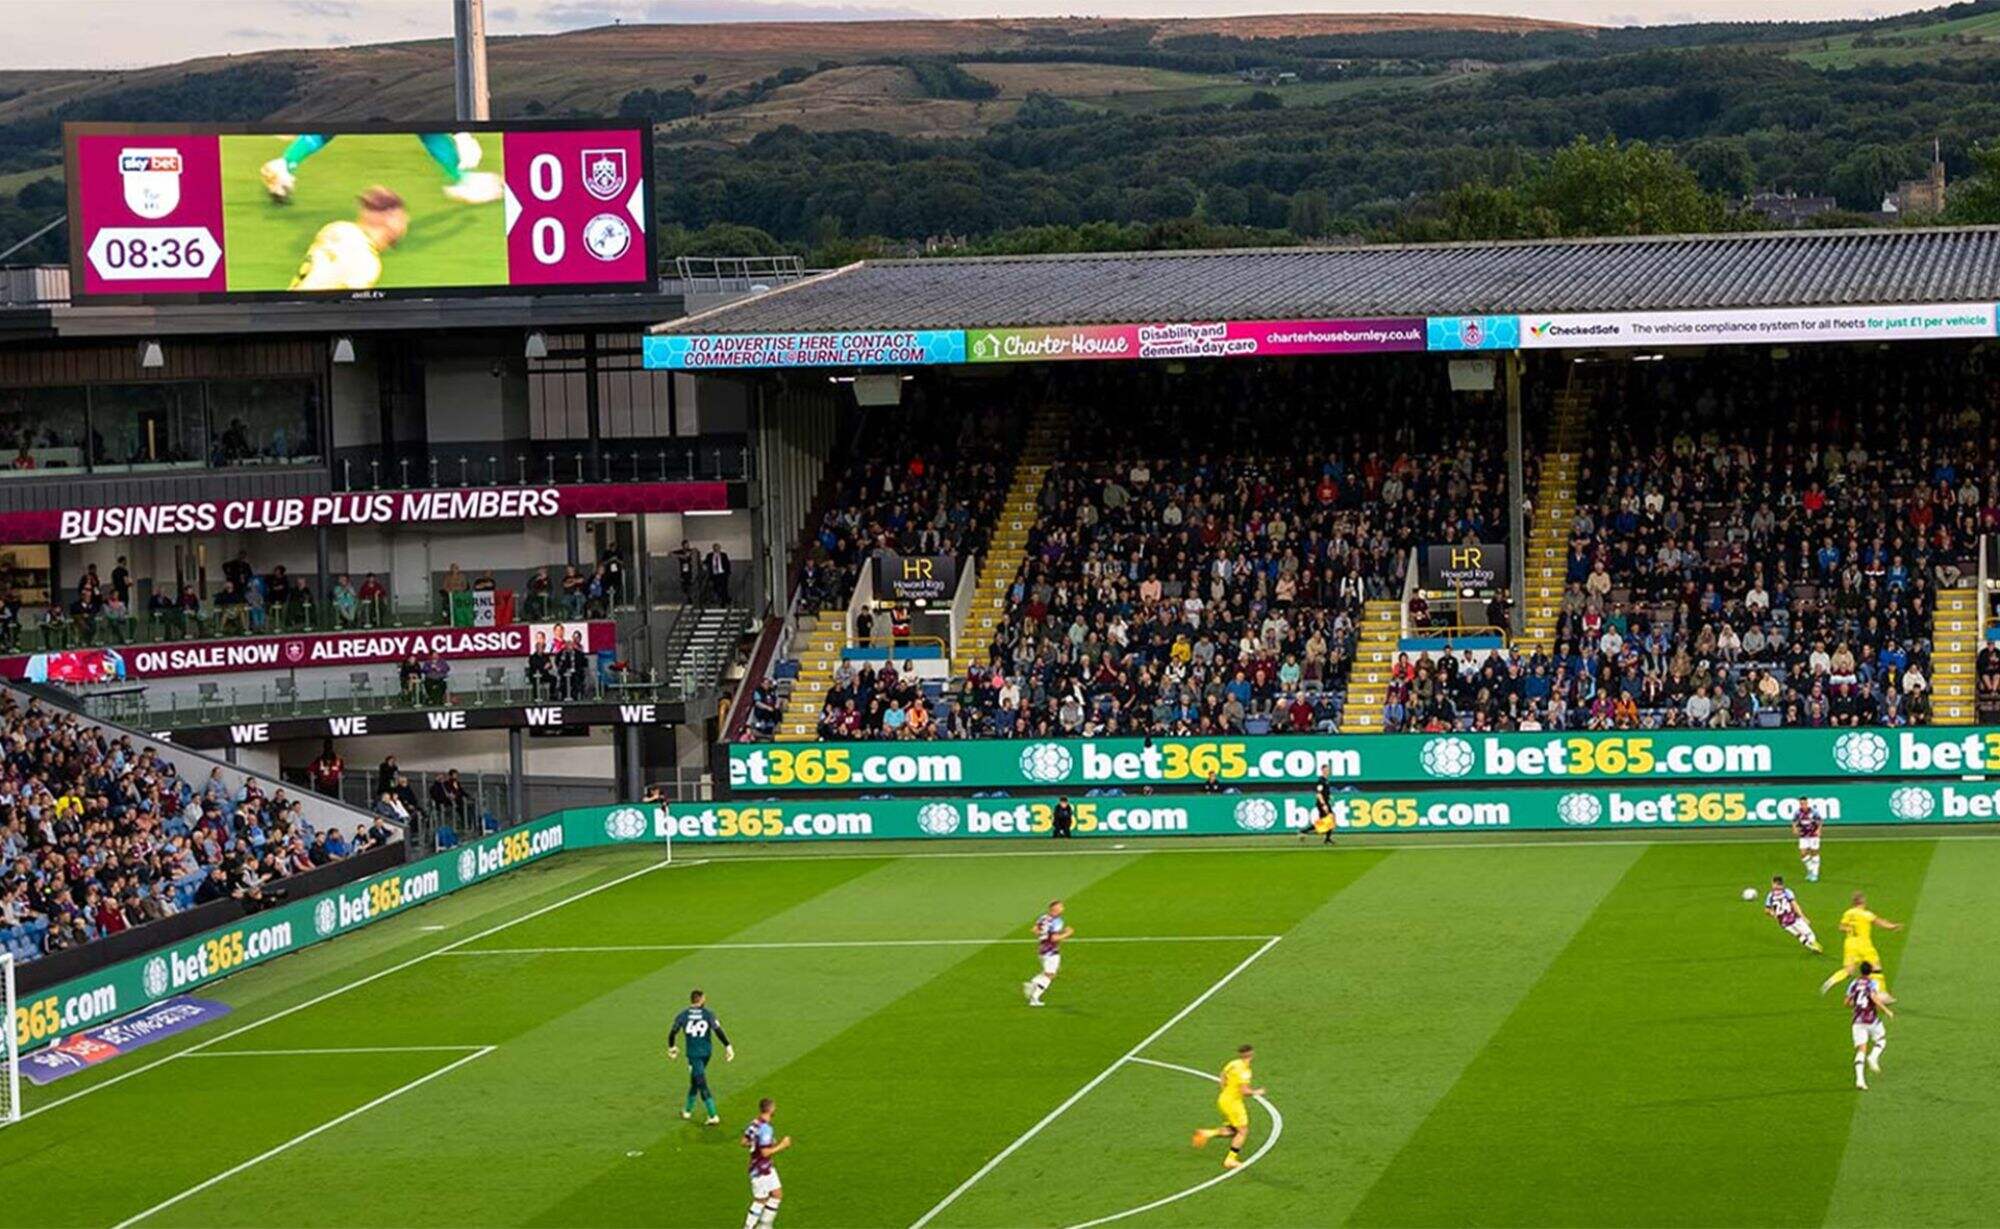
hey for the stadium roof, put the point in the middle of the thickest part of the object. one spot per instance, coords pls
(1788, 269)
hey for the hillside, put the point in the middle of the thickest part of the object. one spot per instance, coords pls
(590, 71)
(1297, 125)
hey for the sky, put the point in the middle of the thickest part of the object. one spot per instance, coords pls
(129, 33)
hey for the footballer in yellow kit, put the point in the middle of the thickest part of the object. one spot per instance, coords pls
(348, 255)
(1857, 925)
(1236, 1086)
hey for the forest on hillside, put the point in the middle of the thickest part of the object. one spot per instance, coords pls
(1388, 134)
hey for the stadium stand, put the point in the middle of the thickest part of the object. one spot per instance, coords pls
(1179, 575)
(100, 833)
(927, 482)
(1764, 542)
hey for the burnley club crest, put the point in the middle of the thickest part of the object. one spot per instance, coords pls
(604, 173)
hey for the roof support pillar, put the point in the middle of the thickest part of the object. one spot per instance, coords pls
(1517, 494)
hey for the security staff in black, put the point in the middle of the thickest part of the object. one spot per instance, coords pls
(1064, 818)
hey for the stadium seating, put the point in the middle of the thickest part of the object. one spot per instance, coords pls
(98, 836)
(1186, 575)
(1764, 542)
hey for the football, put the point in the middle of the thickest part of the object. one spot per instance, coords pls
(1749, 893)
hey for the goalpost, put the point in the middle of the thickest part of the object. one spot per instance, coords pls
(10, 1079)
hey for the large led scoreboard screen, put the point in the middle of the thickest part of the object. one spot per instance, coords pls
(191, 212)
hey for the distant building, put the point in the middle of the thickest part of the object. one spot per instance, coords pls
(1267, 76)
(1789, 208)
(1465, 67)
(1919, 198)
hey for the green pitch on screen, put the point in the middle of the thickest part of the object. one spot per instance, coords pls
(1587, 1033)
(449, 244)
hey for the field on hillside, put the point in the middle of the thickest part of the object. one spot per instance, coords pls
(1575, 1032)
(1964, 36)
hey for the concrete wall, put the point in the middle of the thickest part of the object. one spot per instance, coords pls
(355, 398)
(471, 397)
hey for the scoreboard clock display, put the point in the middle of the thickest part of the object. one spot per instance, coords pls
(179, 212)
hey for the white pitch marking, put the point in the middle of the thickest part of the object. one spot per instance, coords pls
(1270, 1141)
(1467, 840)
(839, 943)
(1095, 1080)
(329, 1050)
(302, 1137)
(648, 869)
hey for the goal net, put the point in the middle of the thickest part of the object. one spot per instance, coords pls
(10, 1077)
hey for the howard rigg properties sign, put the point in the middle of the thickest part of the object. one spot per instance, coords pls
(77, 526)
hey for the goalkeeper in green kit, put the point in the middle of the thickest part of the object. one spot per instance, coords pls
(703, 1031)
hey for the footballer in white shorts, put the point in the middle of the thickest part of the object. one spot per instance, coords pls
(1866, 1033)
(761, 1185)
(1052, 963)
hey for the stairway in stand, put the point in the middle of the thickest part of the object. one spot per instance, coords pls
(1374, 657)
(818, 639)
(816, 643)
(1548, 534)
(1955, 632)
(1007, 547)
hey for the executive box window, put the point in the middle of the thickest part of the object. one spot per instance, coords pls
(163, 424)
(147, 426)
(42, 429)
(264, 422)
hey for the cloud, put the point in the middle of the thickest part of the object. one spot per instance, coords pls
(572, 14)
(338, 10)
(253, 34)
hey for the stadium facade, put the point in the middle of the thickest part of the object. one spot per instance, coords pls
(415, 469)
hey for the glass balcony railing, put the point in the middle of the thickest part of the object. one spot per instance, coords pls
(708, 458)
(361, 692)
(37, 632)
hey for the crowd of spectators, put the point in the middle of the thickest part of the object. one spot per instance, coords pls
(926, 480)
(1204, 544)
(98, 836)
(1757, 541)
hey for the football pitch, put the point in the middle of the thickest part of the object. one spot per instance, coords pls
(449, 244)
(1569, 1032)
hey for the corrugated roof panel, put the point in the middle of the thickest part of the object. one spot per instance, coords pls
(1790, 269)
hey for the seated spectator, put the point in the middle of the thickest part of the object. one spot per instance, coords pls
(346, 604)
(374, 599)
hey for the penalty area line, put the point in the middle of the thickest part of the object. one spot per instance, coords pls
(1270, 1141)
(303, 1136)
(357, 983)
(837, 943)
(1094, 1081)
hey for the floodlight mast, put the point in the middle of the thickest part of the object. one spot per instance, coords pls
(469, 59)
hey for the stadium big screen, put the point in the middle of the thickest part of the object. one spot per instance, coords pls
(160, 213)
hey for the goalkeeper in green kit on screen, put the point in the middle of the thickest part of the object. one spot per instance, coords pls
(703, 1031)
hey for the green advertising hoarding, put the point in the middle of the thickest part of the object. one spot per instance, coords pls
(125, 987)
(178, 968)
(1657, 755)
(1637, 808)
